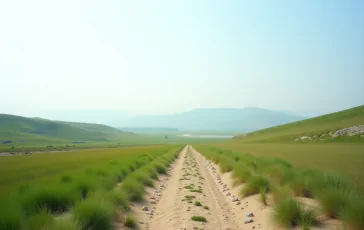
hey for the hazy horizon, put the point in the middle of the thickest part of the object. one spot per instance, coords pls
(160, 57)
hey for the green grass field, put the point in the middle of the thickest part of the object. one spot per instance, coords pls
(338, 196)
(343, 158)
(343, 155)
(34, 189)
(16, 171)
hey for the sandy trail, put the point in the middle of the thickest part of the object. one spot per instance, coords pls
(189, 177)
(192, 178)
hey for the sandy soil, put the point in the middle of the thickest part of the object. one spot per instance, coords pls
(168, 207)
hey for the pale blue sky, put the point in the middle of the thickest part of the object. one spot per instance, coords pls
(160, 57)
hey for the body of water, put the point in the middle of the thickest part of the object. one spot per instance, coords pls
(207, 136)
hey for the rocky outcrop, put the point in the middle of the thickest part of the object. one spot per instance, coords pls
(303, 138)
(351, 131)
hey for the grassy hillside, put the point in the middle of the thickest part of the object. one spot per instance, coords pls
(314, 126)
(36, 130)
(343, 155)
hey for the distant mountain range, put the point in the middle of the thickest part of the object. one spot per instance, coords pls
(217, 120)
(243, 120)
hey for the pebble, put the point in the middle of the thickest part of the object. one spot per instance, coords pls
(249, 214)
(248, 220)
(145, 208)
(228, 194)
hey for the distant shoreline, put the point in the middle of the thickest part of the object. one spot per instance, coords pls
(206, 136)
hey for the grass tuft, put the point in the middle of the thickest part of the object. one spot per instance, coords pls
(118, 198)
(65, 224)
(198, 203)
(287, 213)
(133, 189)
(95, 214)
(130, 222)
(66, 178)
(40, 220)
(10, 217)
(353, 214)
(161, 169)
(254, 185)
(199, 218)
(56, 199)
(84, 185)
(190, 197)
(263, 196)
(332, 202)
(307, 219)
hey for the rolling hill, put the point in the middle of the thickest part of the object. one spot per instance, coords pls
(38, 130)
(243, 120)
(326, 124)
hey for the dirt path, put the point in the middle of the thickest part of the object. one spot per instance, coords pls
(189, 182)
(194, 186)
